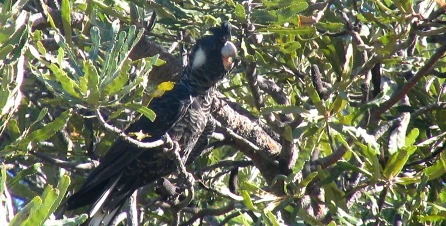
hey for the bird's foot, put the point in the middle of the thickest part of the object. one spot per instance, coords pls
(169, 144)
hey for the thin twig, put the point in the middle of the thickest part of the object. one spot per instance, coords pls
(65, 164)
(121, 134)
(226, 163)
(399, 94)
(428, 158)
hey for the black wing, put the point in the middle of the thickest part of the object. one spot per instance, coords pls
(181, 112)
(169, 108)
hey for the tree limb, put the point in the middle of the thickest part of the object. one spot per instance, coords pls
(399, 94)
(268, 150)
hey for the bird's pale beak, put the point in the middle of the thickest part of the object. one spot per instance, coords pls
(228, 53)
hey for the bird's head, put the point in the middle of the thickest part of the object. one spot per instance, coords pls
(213, 55)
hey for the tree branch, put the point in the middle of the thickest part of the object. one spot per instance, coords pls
(121, 134)
(200, 213)
(65, 164)
(265, 155)
(399, 94)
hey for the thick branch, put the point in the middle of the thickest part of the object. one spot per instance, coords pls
(200, 213)
(267, 150)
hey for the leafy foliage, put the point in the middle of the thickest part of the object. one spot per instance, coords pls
(352, 91)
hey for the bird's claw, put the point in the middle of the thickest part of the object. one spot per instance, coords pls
(168, 143)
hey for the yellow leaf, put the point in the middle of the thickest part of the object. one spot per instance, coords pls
(163, 87)
(139, 135)
(166, 86)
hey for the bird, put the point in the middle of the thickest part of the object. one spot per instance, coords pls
(182, 113)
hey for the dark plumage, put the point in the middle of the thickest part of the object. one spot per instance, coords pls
(182, 112)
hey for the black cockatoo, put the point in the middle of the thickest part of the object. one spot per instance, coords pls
(182, 113)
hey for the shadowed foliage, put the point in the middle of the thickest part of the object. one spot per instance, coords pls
(335, 113)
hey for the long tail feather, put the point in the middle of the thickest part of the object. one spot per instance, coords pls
(97, 215)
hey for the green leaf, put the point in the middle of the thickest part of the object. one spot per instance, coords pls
(430, 219)
(275, 4)
(372, 161)
(112, 58)
(411, 138)
(60, 56)
(330, 26)
(338, 104)
(350, 59)
(75, 221)
(92, 77)
(279, 12)
(39, 216)
(68, 85)
(66, 20)
(271, 217)
(289, 31)
(143, 110)
(438, 169)
(116, 72)
(397, 161)
(240, 12)
(397, 137)
(120, 81)
(21, 217)
(259, 58)
(331, 50)
(290, 47)
(95, 36)
(343, 165)
(3, 179)
(156, 61)
(6, 50)
(358, 132)
(61, 189)
(60, 40)
(48, 130)
(314, 96)
(31, 170)
(289, 12)
(303, 184)
(263, 16)
(45, 204)
(247, 200)
(166, 86)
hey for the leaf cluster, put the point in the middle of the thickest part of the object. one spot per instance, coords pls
(352, 93)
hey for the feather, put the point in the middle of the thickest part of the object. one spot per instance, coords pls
(182, 112)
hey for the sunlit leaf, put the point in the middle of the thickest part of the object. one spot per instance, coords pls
(66, 20)
(397, 161)
(240, 11)
(48, 130)
(24, 173)
(438, 169)
(68, 84)
(143, 110)
(247, 200)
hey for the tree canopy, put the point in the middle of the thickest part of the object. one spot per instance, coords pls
(334, 115)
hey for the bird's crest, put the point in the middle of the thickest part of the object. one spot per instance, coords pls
(223, 32)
